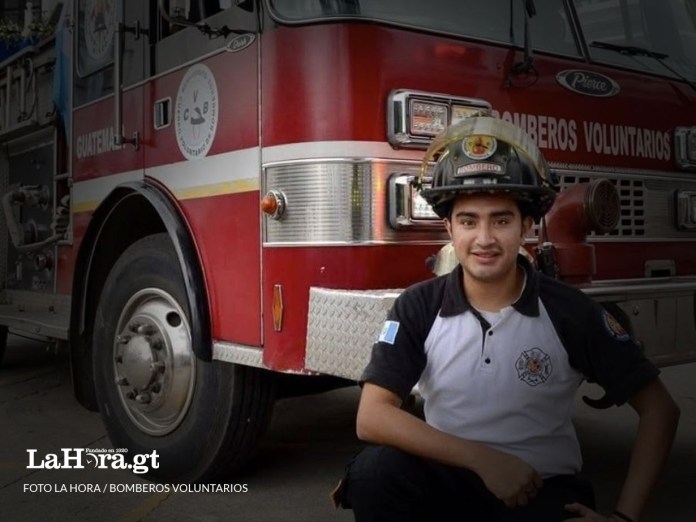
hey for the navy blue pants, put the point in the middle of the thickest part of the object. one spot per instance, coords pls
(384, 484)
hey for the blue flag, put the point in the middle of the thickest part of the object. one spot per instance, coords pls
(62, 72)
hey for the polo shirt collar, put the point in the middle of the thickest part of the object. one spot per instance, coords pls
(454, 301)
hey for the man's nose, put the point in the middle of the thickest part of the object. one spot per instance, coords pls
(485, 235)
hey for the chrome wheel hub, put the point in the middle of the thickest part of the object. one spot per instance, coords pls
(154, 364)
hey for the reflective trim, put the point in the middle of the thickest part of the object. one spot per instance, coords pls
(335, 149)
(225, 173)
(88, 194)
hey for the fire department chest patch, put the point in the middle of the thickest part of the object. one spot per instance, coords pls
(534, 367)
(614, 327)
(196, 112)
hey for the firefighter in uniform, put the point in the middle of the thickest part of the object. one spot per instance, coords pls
(497, 351)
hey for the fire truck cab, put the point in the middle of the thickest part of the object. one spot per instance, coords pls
(202, 195)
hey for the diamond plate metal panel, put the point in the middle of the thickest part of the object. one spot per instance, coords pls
(342, 326)
(238, 354)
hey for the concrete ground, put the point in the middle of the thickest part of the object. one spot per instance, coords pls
(301, 458)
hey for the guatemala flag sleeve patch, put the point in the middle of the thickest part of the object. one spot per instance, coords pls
(388, 334)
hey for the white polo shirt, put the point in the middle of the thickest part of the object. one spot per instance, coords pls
(511, 384)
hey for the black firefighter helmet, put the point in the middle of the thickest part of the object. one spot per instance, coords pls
(483, 154)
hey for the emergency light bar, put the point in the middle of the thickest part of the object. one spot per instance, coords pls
(427, 119)
(416, 117)
(421, 209)
(407, 208)
(685, 147)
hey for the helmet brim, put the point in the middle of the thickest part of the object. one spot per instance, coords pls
(540, 199)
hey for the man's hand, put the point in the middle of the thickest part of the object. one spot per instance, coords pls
(509, 478)
(585, 513)
(381, 420)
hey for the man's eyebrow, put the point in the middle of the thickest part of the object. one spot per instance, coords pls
(495, 213)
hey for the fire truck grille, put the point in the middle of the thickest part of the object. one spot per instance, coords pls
(632, 204)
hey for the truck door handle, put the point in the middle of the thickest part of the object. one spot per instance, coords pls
(119, 138)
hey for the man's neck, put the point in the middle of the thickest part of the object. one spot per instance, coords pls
(493, 296)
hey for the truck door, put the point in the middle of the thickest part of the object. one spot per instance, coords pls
(202, 139)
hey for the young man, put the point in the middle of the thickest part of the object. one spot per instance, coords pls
(497, 351)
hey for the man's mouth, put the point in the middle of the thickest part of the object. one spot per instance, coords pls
(485, 258)
(486, 253)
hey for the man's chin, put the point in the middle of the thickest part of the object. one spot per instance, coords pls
(486, 264)
(485, 275)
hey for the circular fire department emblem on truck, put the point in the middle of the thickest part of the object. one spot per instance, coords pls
(100, 24)
(196, 112)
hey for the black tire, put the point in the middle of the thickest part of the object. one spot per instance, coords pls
(204, 419)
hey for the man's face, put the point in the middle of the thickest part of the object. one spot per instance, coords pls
(487, 231)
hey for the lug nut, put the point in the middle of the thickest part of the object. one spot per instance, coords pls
(133, 327)
(146, 329)
(142, 398)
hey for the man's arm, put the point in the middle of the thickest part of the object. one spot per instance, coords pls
(659, 416)
(381, 420)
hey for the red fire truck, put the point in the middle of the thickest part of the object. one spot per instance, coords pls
(224, 192)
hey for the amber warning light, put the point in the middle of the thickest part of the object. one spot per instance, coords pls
(273, 204)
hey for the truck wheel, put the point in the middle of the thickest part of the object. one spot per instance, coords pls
(203, 419)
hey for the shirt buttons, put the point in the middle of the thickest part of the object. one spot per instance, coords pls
(487, 360)
(490, 332)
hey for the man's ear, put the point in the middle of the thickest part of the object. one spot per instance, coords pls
(448, 226)
(527, 224)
